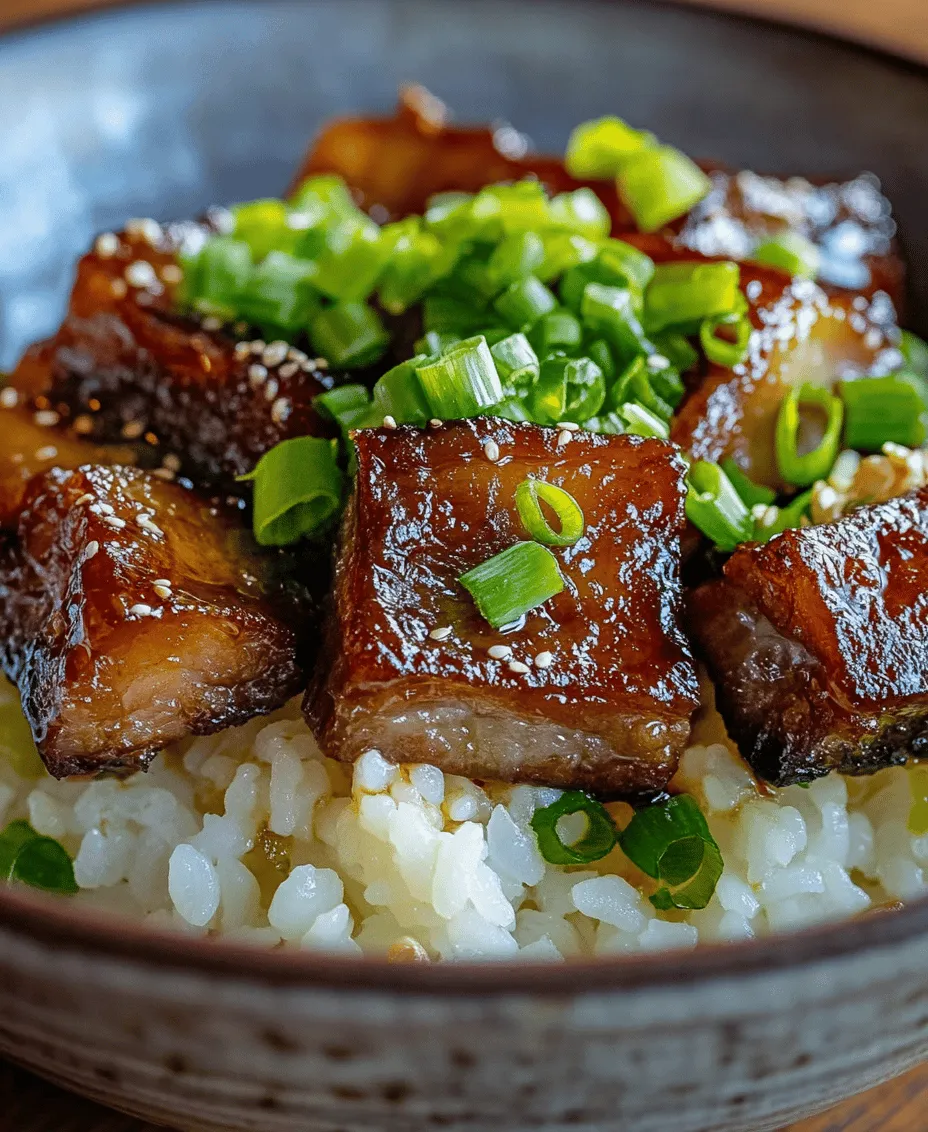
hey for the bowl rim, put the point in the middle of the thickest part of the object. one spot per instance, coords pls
(51, 921)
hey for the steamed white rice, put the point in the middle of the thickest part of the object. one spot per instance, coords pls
(253, 834)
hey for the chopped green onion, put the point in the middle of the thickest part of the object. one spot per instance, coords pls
(598, 149)
(523, 303)
(462, 382)
(677, 350)
(416, 261)
(618, 260)
(399, 394)
(530, 494)
(659, 185)
(516, 256)
(450, 315)
(558, 330)
(715, 507)
(348, 268)
(790, 252)
(343, 399)
(567, 389)
(512, 409)
(434, 342)
(668, 385)
(216, 276)
(609, 312)
(40, 862)
(507, 586)
(915, 352)
(349, 335)
(264, 227)
(671, 843)
(640, 421)
(601, 353)
(501, 209)
(882, 409)
(298, 489)
(783, 518)
(598, 840)
(610, 424)
(516, 361)
(751, 493)
(327, 193)
(635, 384)
(280, 292)
(581, 212)
(683, 294)
(562, 252)
(805, 469)
(721, 351)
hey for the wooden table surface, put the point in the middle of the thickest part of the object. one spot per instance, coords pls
(29, 1105)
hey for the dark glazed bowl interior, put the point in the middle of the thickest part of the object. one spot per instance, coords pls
(165, 109)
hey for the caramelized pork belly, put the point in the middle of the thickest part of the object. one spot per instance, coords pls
(125, 365)
(818, 643)
(135, 614)
(393, 165)
(801, 335)
(851, 223)
(599, 685)
(31, 441)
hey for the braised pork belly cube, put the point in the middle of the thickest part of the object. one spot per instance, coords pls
(592, 689)
(134, 614)
(850, 222)
(125, 365)
(818, 643)
(802, 335)
(32, 441)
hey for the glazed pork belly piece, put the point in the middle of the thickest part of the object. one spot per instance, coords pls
(803, 335)
(594, 689)
(135, 613)
(818, 643)
(126, 365)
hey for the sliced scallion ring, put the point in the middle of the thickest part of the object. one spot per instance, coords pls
(598, 840)
(804, 469)
(298, 490)
(720, 350)
(530, 494)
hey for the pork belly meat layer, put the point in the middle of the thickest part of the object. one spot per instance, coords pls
(802, 335)
(610, 712)
(135, 614)
(126, 365)
(818, 643)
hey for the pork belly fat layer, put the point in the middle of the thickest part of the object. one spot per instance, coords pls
(125, 365)
(411, 670)
(801, 335)
(818, 643)
(136, 614)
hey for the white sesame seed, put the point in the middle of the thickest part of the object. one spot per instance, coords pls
(280, 410)
(389, 422)
(440, 634)
(164, 592)
(544, 660)
(499, 652)
(141, 274)
(83, 424)
(827, 497)
(271, 389)
(657, 362)
(491, 451)
(146, 524)
(115, 522)
(211, 323)
(171, 273)
(288, 370)
(563, 437)
(319, 363)
(92, 549)
(163, 582)
(297, 356)
(242, 350)
(172, 462)
(275, 354)
(145, 229)
(518, 667)
(46, 418)
(140, 610)
(132, 430)
(107, 245)
(119, 288)
(104, 509)
(257, 374)
(568, 426)
(435, 422)
(88, 498)
(49, 452)
(9, 398)
(258, 346)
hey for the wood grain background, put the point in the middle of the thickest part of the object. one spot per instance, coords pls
(29, 1105)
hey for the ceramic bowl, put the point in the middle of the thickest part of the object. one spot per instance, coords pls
(161, 110)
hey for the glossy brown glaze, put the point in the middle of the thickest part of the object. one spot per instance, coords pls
(851, 223)
(801, 335)
(134, 614)
(393, 165)
(124, 365)
(29, 445)
(818, 643)
(611, 711)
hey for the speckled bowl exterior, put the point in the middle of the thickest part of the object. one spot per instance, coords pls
(165, 109)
